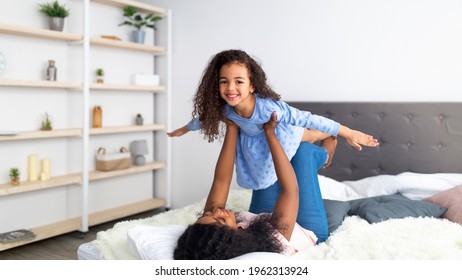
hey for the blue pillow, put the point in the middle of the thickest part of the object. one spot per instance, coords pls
(336, 212)
(381, 208)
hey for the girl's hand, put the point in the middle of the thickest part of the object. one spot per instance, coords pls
(271, 124)
(178, 132)
(357, 138)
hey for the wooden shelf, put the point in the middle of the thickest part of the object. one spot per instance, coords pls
(39, 134)
(75, 224)
(120, 87)
(28, 186)
(39, 84)
(39, 33)
(47, 231)
(126, 129)
(124, 211)
(142, 7)
(99, 175)
(127, 45)
(76, 178)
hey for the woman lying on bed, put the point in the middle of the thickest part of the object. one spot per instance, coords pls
(221, 234)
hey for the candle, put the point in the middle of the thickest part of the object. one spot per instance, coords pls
(32, 167)
(46, 168)
(43, 176)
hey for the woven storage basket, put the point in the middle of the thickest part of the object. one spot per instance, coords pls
(113, 161)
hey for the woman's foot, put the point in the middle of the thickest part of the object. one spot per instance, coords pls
(330, 143)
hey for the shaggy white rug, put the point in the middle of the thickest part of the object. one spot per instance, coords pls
(355, 239)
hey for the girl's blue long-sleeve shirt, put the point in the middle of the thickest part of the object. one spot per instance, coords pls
(254, 164)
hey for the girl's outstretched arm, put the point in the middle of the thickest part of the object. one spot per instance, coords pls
(357, 138)
(178, 132)
(285, 210)
(223, 170)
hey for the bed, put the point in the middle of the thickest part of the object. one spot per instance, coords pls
(402, 200)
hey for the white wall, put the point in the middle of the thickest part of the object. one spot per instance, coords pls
(329, 50)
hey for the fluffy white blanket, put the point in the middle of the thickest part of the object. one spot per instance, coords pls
(355, 239)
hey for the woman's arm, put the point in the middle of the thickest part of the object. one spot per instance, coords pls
(223, 170)
(285, 210)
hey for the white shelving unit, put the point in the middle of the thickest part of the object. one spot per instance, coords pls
(87, 179)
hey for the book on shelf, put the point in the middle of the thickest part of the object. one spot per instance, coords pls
(16, 235)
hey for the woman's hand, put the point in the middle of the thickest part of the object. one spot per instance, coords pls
(230, 124)
(272, 123)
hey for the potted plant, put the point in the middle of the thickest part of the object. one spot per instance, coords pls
(56, 12)
(139, 22)
(100, 75)
(46, 123)
(14, 176)
(139, 119)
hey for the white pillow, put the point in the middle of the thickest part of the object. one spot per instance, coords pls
(375, 185)
(412, 185)
(335, 190)
(419, 186)
(159, 242)
(154, 242)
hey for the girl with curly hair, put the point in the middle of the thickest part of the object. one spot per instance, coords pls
(234, 87)
(220, 234)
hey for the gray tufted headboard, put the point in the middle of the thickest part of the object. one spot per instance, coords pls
(416, 137)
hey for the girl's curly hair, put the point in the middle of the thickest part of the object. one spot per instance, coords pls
(218, 242)
(208, 104)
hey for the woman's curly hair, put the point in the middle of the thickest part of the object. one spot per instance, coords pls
(208, 104)
(218, 242)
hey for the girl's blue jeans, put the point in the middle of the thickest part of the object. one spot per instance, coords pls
(308, 159)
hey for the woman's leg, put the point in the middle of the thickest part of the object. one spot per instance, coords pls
(311, 214)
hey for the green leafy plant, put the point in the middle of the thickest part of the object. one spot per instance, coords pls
(139, 116)
(137, 20)
(54, 9)
(99, 72)
(46, 123)
(14, 175)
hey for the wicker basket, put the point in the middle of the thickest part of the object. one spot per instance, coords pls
(113, 161)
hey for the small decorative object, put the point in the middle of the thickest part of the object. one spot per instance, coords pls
(14, 176)
(56, 12)
(32, 167)
(145, 80)
(138, 149)
(45, 174)
(52, 71)
(139, 22)
(139, 119)
(46, 123)
(113, 161)
(97, 117)
(100, 75)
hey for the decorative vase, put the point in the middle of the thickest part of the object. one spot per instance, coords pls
(97, 117)
(139, 120)
(56, 23)
(15, 181)
(100, 79)
(138, 36)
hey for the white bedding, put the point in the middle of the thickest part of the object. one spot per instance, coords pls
(405, 238)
